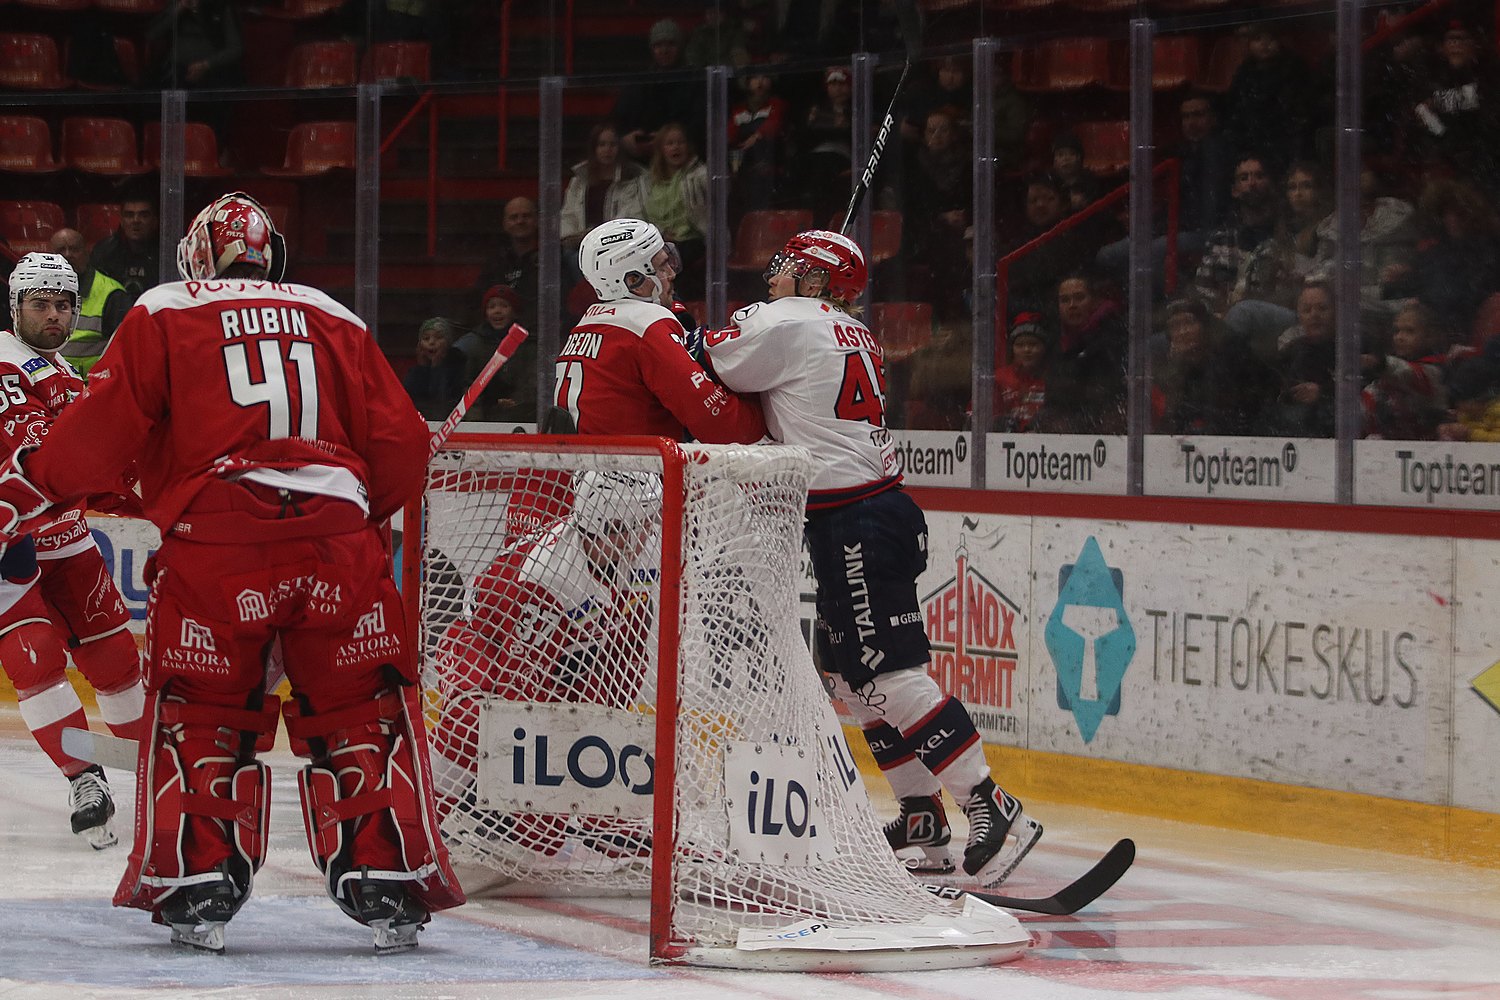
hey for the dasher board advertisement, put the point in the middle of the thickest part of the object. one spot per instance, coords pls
(1056, 463)
(1445, 474)
(1241, 468)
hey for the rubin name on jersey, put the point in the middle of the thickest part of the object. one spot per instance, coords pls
(268, 320)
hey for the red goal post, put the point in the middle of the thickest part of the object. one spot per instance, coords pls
(549, 581)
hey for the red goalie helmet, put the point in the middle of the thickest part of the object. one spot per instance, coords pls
(819, 250)
(235, 229)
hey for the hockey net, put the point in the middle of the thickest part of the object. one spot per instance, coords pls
(559, 577)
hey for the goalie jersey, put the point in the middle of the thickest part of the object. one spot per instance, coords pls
(821, 376)
(277, 383)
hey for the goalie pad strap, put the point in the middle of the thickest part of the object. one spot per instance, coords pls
(327, 814)
(262, 722)
(229, 810)
(302, 726)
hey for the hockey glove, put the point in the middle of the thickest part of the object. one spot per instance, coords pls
(20, 502)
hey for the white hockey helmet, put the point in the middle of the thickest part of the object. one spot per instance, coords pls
(616, 249)
(43, 272)
(235, 229)
(615, 501)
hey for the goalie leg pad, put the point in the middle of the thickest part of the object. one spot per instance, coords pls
(366, 799)
(201, 806)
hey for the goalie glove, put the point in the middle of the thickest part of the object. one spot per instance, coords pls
(21, 503)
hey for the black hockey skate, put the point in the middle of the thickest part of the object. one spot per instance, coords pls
(93, 807)
(389, 910)
(994, 817)
(923, 824)
(197, 913)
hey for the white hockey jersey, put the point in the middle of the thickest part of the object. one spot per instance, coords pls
(821, 376)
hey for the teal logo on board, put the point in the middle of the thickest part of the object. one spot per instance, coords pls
(1090, 639)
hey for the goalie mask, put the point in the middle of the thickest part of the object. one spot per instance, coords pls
(837, 257)
(235, 229)
(43, 272)
(605, 502)
(618, 259)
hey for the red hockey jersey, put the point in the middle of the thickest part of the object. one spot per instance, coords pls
(34, 388)
(624, 370)
(224, 378)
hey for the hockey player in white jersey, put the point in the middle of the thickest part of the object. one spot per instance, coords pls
(820, 375)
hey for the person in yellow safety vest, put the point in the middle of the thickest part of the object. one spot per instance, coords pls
(102, 303)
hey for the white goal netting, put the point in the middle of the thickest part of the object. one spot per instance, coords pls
(555, 582)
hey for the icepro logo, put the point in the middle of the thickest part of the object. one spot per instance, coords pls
(1090, 639)
(771, 797)
(196, 636)
(252, 606)
(370, 624)
(558, 758)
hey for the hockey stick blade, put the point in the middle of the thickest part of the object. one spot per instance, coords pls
(1070, 898)
(100, 748)
(503, 353)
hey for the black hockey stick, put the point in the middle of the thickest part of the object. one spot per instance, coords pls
(1070, 898)
(911, 34)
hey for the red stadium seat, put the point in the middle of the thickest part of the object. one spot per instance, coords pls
(762, 233)
(1062, 64)
(26, 145)
(131, 6)
(1106, 146)
(316, 148)
(1223, 60)
(28, 225)
(397, 61)
(301, 10)
(901, 327)
(101, 146)
(323, 64)
(1176, 61)
(885, 235)
(200, 150)
(97, 220)
(30, 62)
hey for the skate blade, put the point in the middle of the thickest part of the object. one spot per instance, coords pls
(932, 861)
(1024, 833)
(392, 938)
(207, 936)
(100, 837)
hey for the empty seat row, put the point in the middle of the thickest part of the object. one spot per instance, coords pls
(28, 225)
(31, 61)
(108, 146)
(1061, 65)
(296, 9)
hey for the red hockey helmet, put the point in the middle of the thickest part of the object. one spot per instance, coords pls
(235, 229)
(839, 257)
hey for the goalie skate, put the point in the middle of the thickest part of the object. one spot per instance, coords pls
(1000, 834)
(390, 911)
(93, 808)
(197, 912)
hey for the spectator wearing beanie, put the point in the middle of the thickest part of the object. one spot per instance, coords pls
(511, 395)
(435, 381)
(1021, 383)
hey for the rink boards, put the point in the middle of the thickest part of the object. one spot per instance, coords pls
(1267, 676)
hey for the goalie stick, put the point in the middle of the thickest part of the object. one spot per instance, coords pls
(1070, 898)
(911, 34)
(503, 353)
